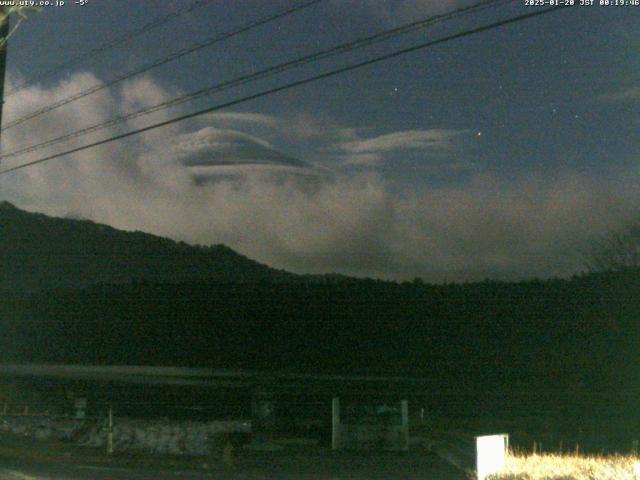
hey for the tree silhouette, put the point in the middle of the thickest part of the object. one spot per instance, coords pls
(616, 251)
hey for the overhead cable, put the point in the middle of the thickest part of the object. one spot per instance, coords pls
(261, 74)
(159, 62)
(108, 46)
(294, 84)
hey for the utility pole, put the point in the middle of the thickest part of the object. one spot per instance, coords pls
(4, 33)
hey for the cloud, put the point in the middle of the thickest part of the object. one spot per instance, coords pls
(239, 118)
(510, 228)
(276, 212)
(317, 129)
(372, 150)
(211, 155)
(407, 140)
(211, 147)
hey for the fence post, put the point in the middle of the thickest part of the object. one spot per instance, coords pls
(335, 423)
(404, 409)
(110, 432)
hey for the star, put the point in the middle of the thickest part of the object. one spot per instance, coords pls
(479, 134)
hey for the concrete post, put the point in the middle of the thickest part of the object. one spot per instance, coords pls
(110, 432)
(335, 423)
(404, 409)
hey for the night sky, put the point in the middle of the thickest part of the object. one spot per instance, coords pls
(502, 155)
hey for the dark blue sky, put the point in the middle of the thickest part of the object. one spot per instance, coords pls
(527, 106)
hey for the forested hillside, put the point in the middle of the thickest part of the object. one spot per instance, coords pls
(40, 252)
(581, 332)
(75, 291)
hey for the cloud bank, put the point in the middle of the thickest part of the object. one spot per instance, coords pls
(238, 178)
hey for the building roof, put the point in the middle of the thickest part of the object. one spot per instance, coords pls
(277, 382)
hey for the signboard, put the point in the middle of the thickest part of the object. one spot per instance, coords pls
(491, 454)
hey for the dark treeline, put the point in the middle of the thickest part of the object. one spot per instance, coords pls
(577, 333)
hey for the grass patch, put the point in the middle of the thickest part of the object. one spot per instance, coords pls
(553, 466)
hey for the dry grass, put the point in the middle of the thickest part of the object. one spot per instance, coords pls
(549, 466)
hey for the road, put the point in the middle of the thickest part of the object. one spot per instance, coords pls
(81, 472)
(294, 466)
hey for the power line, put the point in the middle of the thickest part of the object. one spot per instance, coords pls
(162, 61)
(109, 45)
(265, 73)
(287, 86)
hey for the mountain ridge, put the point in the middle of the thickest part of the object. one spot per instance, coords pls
(40, 252)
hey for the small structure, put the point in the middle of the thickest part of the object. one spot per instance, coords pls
(370, 426)
(375, 412)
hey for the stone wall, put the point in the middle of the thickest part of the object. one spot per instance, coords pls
(162, 436)
(41, 427)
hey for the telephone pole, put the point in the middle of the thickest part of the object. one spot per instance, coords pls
(4, 33)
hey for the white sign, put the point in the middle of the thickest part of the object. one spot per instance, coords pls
(491, 454)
